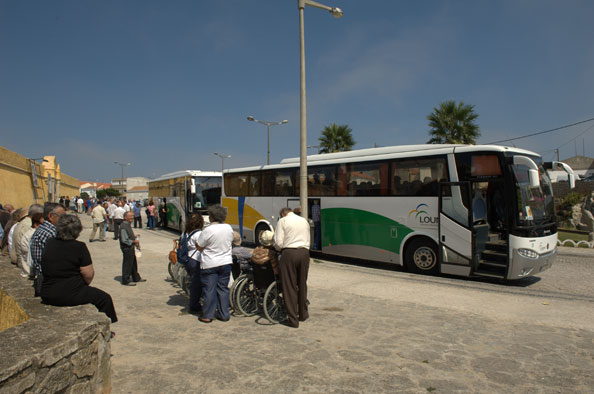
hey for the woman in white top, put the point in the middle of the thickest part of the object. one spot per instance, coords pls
(193, 229)
(215, 244)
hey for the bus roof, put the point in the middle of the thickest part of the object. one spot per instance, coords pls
(178, 174)
(386, 152)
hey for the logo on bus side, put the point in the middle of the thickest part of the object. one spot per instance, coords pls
(422, 216)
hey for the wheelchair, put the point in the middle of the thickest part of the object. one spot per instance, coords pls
(180, 275)
(258, 289)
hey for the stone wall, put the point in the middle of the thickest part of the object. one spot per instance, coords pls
(16, 184)
(561, 189)
(64, 350)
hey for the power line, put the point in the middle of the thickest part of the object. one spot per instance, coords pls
(569, 141)
(542, 132)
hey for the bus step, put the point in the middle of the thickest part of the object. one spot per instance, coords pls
(497, 245)
(493, 256)
(490, 274)
(492, 264)
(494, 237)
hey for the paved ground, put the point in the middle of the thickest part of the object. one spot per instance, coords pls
(370, 331)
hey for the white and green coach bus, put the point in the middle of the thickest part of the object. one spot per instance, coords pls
(453, 209)
(185, 192)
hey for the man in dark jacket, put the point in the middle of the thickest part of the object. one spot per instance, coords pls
(128, 242)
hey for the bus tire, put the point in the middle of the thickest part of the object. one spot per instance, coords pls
(421, 256)
(260, 228)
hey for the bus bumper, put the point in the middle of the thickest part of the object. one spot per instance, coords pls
(524, 266)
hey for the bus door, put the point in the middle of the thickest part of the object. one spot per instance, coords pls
(455, 228)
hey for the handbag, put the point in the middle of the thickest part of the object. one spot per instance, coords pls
(173, 253)
(37, 284)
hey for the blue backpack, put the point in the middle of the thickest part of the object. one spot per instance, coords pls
(182, 248)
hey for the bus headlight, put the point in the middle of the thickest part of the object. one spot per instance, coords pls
(531, 254)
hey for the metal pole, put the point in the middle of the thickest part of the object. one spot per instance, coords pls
(302, 117)
(268, 127)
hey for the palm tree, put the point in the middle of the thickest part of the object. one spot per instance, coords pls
(336, 138)
(453, 124)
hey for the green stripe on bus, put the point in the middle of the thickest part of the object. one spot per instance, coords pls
(173, 215)
(344, 226)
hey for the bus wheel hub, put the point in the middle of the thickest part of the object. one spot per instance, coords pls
(424, 258)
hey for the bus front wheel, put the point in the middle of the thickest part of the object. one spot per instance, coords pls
(421, 256)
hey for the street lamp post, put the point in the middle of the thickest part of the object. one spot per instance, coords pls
(314, 147)
(267, 124)
(122, 179)
(223, 157)
(337, 13)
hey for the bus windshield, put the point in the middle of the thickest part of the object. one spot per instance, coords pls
(208, 192)
(535, 204)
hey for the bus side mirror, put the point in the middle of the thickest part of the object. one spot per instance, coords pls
(533, 177)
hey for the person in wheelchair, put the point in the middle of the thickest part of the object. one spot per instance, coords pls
(258, 288)
(265, 252)
(241, 257)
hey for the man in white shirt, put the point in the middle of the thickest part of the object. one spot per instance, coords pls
(292, 240)
(118, 218)
(99, 216)
(110, 208)
(80, 202)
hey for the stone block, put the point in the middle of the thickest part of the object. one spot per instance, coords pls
(9, 369)
(84, 387)
(58, 378)
(103, 376)
(84, 361)
(18, 383)
(56, 353)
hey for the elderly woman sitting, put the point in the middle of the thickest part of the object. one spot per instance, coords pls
(68, 270)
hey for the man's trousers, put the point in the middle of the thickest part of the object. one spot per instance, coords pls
(293, 267)
(129, 266)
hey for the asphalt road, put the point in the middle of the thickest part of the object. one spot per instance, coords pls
(372, 329)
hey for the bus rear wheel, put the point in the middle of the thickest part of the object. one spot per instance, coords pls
(421, 257)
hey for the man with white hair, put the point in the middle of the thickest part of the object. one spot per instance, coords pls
(21, 228)
(291, 238)
(118, 219)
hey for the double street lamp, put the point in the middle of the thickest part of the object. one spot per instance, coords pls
(267, 124)
(223, 157)
(122, 179)
(337, 13)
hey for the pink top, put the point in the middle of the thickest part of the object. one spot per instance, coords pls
(151, 209)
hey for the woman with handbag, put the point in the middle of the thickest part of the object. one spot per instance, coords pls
(192, 232)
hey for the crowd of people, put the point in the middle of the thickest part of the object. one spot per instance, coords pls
(42, 243)
(211, 251)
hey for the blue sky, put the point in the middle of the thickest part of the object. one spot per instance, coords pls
(164, 84)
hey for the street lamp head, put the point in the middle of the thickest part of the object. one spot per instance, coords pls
(250, 118)
(336, 12)
(284, 121)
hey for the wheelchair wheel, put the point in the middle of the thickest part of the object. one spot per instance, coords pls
(233, 291)
(184, 280)
(170, 269)
(274, 304)
(246, 298)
